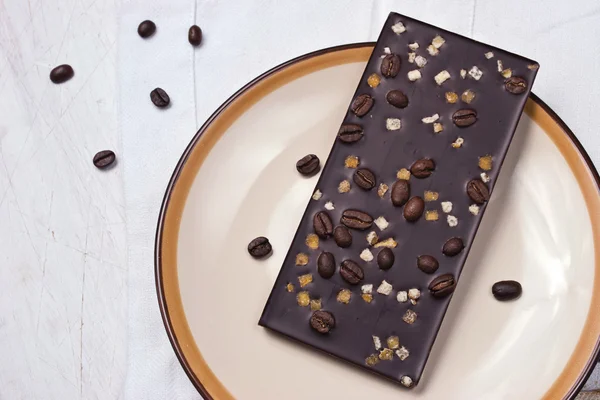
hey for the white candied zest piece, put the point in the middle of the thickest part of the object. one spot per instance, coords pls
(412, 57)
(489, 55)
(475, 73)
(385, 288)
(446, 206)
(393, 124)
(438, 41)
(452, 221)
(381, 223)
(432, 50)
(387, 50)
(398, 28)
(414, 294)
(442, 77)
(367, 289)
(377, 342)
(463, 73)
(402, 353)
(413, 46)
(420, 61)
(430, 120)
(366, 255)
(500, 66)
(402, 296)
(474, 209)
(414, 75)
(317, 195)
(329, 206)
(485, 177)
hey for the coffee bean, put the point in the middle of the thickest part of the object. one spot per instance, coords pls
(385, 258)
(160, 98)
(453, 246)
(322, 321)
(464, 117)
(422, 168)
(362, 104)
(356, 219)
(351, 272)
(364, 179)
(308, 165)
(146, 29)
(326, 265)
(506, 290)
(397, 98)
(390, 65)
(400, 192)
(195, 35)
(104, 159)
(442, 286)
(350, 133)
(322, 225)
(427, 264)
(478, 191)
(62, 73)
(515, 85)
(342, 236)
(414, 209)
(259, 247)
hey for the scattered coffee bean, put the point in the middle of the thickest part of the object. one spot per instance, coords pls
(350, 133)
(390, 65)
(414, 209)
(160, 98)
(400, 192)
(506, 290)
(326, 265)
(62, 73)
(362, 104)
(259, 247)
(515, 85)
(308, 165)
(453, 246)
(478, 191)
(385, 258)
(442, 286)
(146, 29)
(342, 236)
(195, 35)
(356, 219)
(427, 264)
(351, 272)
(322, 321)
(464, 117)
(422, 168)
(104, 159)
(397, 98)
(364, 179)
(322, 224)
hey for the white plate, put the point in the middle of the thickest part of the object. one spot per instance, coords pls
(237, 180)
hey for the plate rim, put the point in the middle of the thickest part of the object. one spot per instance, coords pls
(181, 163)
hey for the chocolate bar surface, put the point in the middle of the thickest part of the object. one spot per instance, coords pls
(436, 123)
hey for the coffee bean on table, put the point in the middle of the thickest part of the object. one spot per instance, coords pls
(322, 225)
(515, 85)
(364, 179)
(362, 104)
(350, 133)
(308, 165)
(427, 264)
(464, 117)
(62, 73)
(397, 98)
(322, 321)
(342, 236)
(506, 290)
(422, 168)
(400, 192)
(259, 247)
(160, 98)
(146, 29)
(442, 286)
(195, 35)
(385, 258)
(390, 65)
(104, 159)
(414, 209)
(453, 246)
(478, 191)
(356, 219)
(326, 265)
(351, 272)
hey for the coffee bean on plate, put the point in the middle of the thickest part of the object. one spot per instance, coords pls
(326, 265)
(364, 179)
(351, 272)
(422, 168)
(259, 247)
(146, 29)
(195, 35)
(390, 65)
(322, 321)
(322, 224)
(414, 209)
(506, 290)
(453, 246)
(464, 117)
(442, 285)
(478, 191)
(515, 85)
(385, 258)
(427, 264)
(308, 165)
(400, 192)
(362, 104)
(62, 73)
(160, 98)
(356, 219)
(342, 236)
(104, 159)
(397, 98)
(350, 133)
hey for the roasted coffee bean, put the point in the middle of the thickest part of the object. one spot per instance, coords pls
(390, 65)
(259, 247)
(308, 165)
(385, 258)
(322, 321)
(442, 286)
(356, 219)
(427, 264)
(350, 133)
(362, 104)
(62, 73)
(478, 191)
(464, 117)
(400, 192)
(160, 98)
(397, 98)
(364, 179)
(326, 265)
(104, 159)
(453, 246)
(414, 209)
(146, 29)
(195, 35)
(351, 272)
(322, 225)
(506, 290)
(342, 236)
(422, 168)
(515, 85)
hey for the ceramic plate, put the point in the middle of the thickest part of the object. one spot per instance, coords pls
(237, 180)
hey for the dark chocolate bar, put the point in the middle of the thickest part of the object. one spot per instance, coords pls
(408, 178)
